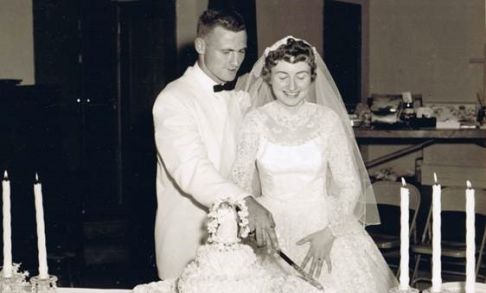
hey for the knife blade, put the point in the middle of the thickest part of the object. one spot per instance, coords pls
(301, 271)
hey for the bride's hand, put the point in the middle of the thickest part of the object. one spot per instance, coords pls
(319, 251)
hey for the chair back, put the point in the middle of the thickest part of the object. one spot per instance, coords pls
(388, 193)
(453, 199)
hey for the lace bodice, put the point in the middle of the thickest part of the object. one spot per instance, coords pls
(285, 128)
(296, 155)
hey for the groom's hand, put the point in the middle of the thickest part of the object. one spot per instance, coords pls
(261, 222)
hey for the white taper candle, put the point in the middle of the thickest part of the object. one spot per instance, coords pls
(436, 237)
(404, 237)
(7, 227)
(41, 235)
(470, 239)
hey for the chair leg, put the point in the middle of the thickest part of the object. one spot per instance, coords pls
(416, 267)
(480, 255)
(478, 262)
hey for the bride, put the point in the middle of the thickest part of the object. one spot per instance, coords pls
(312, 179)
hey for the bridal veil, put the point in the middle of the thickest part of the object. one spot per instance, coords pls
(326, 93)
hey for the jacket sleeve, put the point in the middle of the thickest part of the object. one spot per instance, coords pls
(185, 156)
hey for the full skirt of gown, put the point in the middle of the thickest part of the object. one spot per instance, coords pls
(357, 265)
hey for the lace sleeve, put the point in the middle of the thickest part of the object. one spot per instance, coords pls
(248, 142)
(344, 180)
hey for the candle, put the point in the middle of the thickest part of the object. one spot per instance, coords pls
(470, 242)
(436, 237)
(41, 235)
(404, 237)
(7, 228)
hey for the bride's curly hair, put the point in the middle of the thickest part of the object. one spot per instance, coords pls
(293, 51)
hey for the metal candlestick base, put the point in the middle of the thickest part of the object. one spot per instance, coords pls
(48, 285)
(398, 290)
(14, 284)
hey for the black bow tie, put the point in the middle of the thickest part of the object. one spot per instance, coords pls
(229, 86)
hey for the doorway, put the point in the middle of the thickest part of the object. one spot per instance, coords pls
(345, 47)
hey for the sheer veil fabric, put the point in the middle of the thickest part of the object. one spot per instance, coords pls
(326, 93)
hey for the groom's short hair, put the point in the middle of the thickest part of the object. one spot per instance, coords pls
(228, 19)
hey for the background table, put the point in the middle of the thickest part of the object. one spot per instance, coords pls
(419, 139)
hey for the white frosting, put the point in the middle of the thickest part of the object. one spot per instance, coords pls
(218, 266)
(235, 269)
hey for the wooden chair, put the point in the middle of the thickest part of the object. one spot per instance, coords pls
(387, 235)
(453, 204)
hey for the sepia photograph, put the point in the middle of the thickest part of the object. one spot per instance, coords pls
(243, 146)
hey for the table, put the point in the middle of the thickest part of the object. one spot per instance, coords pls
(91, 290)
(459, 287)
(419, 139)
(453, 287)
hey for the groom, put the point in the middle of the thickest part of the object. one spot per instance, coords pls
(195, 121)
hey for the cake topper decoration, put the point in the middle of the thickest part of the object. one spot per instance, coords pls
(228, 221)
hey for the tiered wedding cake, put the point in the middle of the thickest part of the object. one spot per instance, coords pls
(226, 265)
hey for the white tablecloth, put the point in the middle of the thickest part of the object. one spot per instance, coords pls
(458, 287)
(453, 287)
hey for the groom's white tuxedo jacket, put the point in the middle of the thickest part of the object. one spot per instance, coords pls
(195, 135)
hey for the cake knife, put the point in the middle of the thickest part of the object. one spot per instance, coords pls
(301, 271)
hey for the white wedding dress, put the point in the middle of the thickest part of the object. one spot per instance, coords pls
(295, 154)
